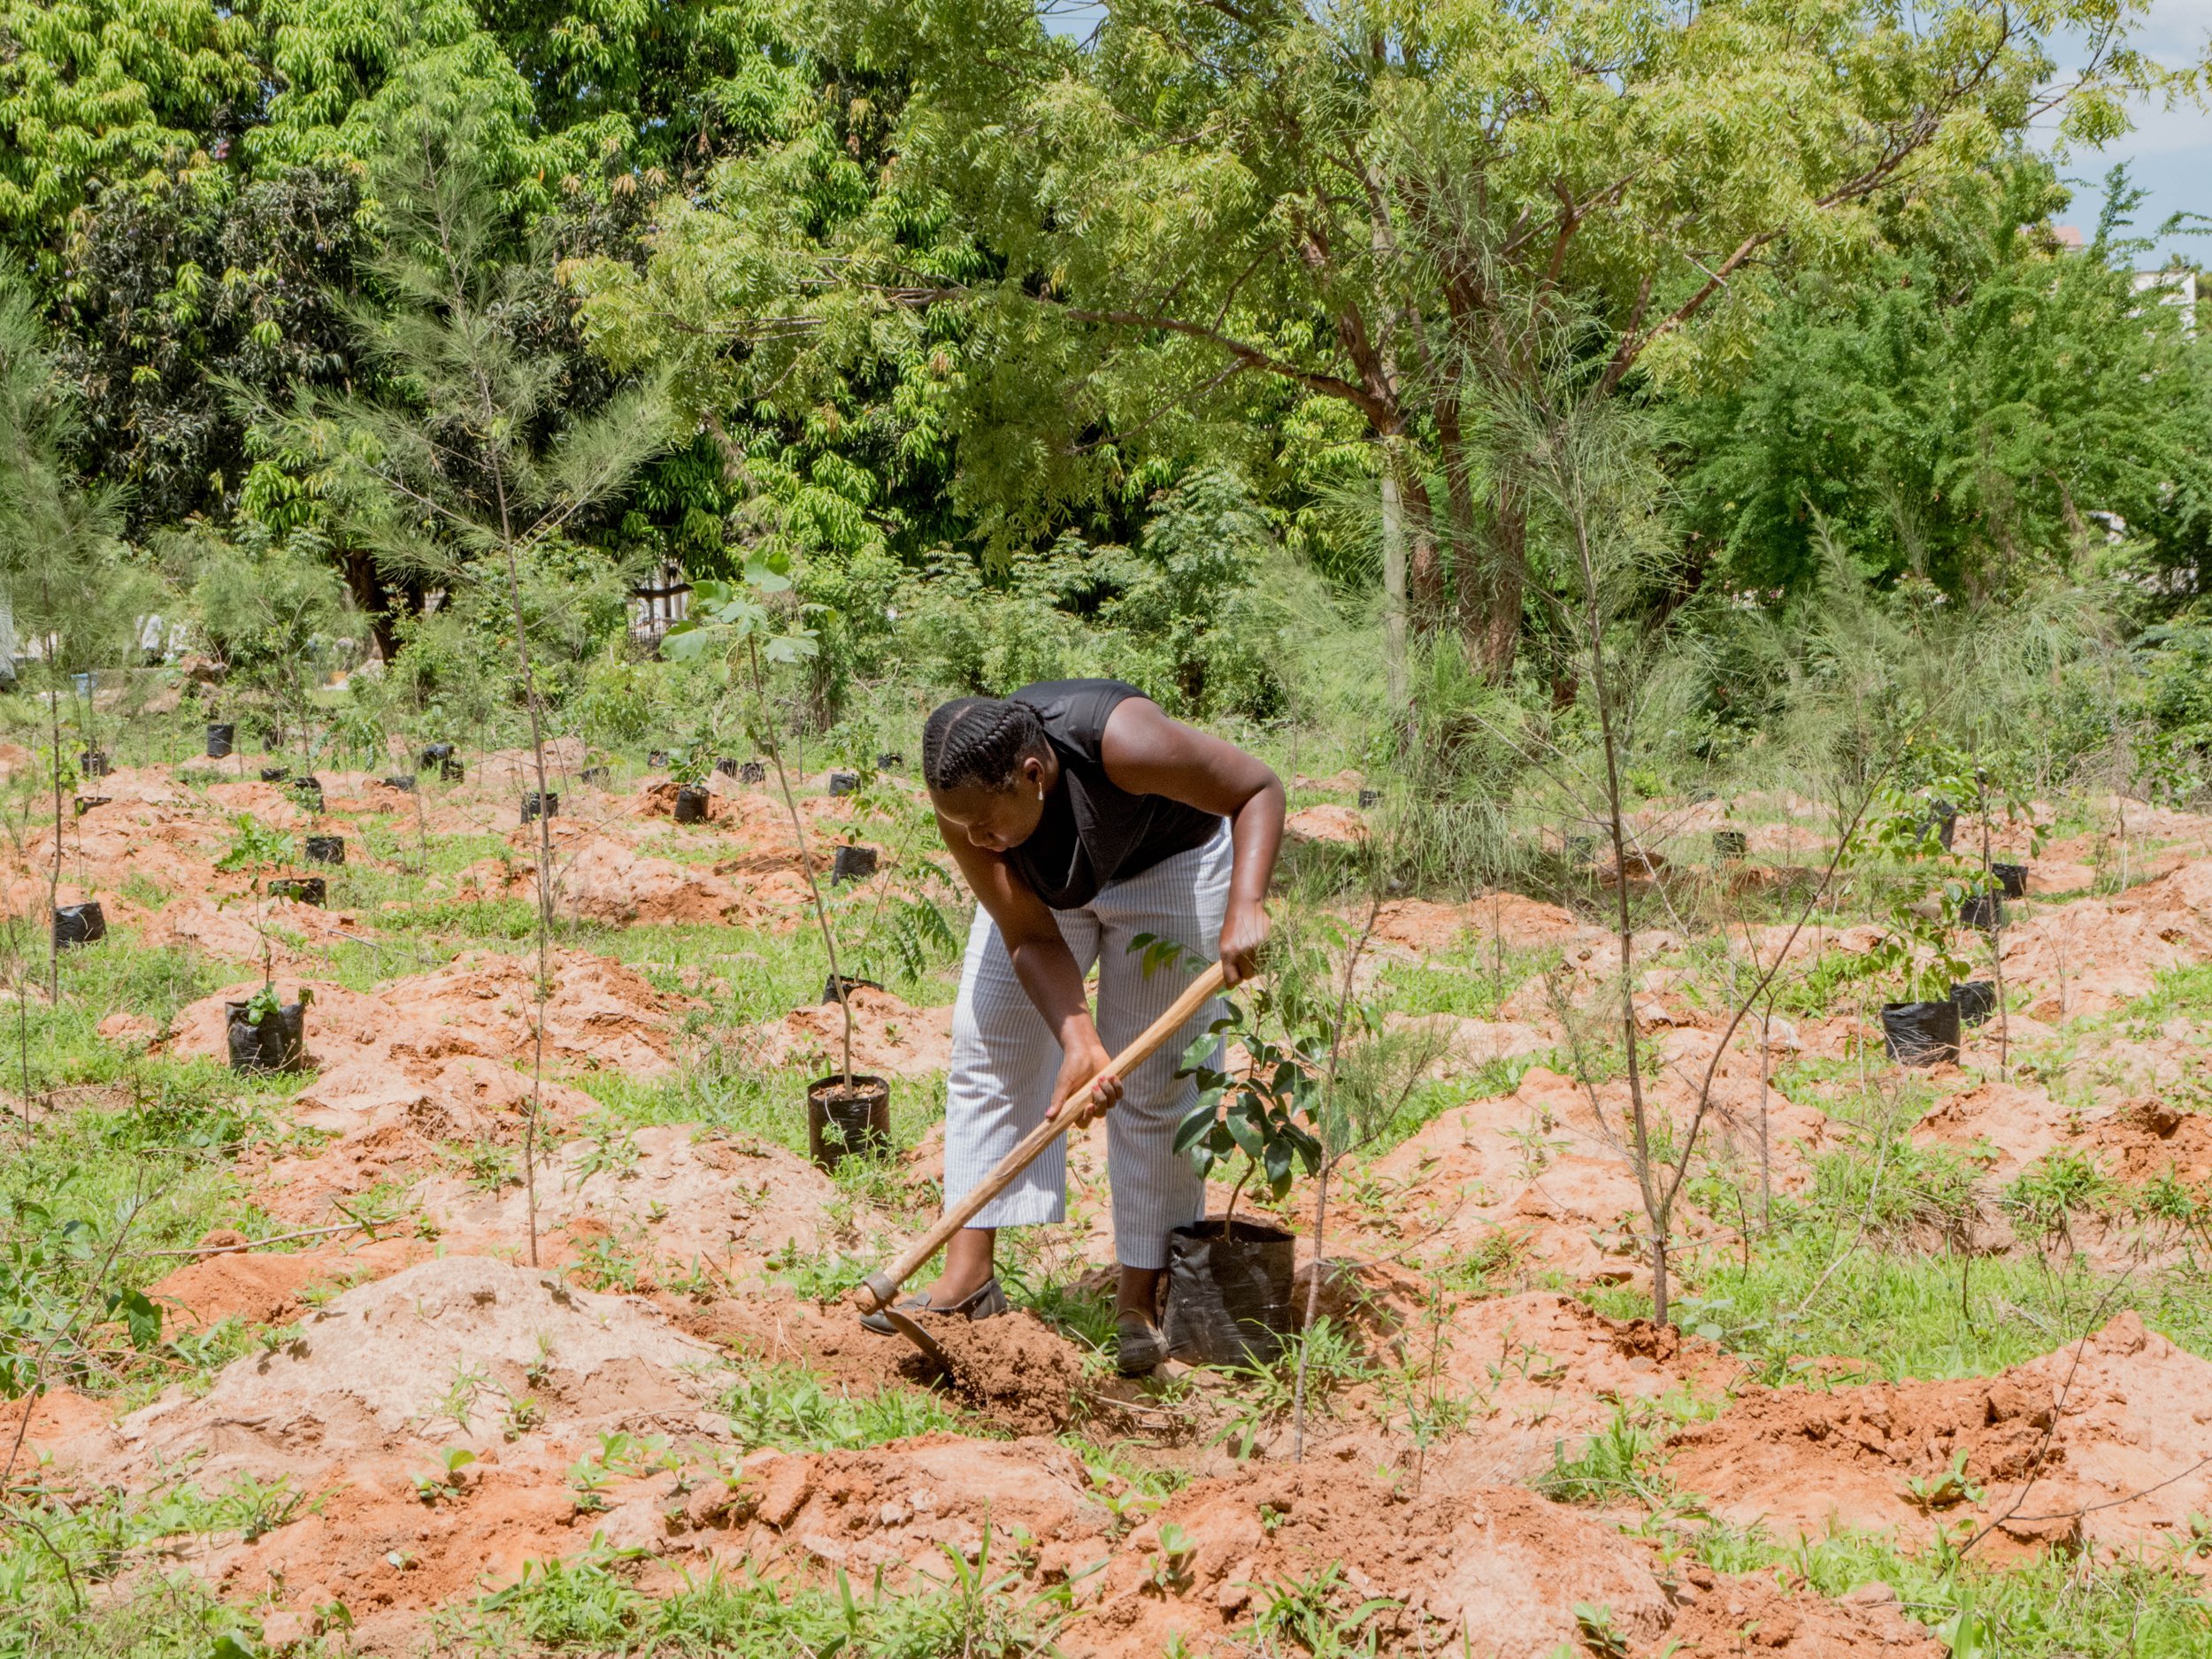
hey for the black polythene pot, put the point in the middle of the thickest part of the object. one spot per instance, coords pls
(278, 1043)
(753, 772)
(890, 760)
(301, 889)
(852, 982)
(727, 766)
(1943, 817)
(1370, 798)
(220, 736)
(549, 802)
(852, 863)
(1976, 1000)
(1983, 910)
(401, 782)
(594, 776)
(308, 791)
(1229, 1298)
(691, 805)
(842, 1121)
(80, 924)
(274, 774)
(843, 782)
(436, 754)
(326, 849)
(1921, 1033)
(2012, 879)
(84, 803)
(1731, 845)
(94, 763)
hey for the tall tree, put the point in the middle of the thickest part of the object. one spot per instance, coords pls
(99, 91)
(1379, 206)
(467, 464)
(57, 539)
(1958, 409)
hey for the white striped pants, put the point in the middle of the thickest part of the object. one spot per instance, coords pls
(1005, 1057)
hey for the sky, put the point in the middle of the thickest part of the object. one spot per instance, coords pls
(2169, 152)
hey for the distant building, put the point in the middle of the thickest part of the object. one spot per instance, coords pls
(659, 602)
(2173, 287)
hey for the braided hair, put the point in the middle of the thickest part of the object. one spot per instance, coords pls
(979, 742)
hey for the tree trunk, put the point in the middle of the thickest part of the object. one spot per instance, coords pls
(1425, 577)
(1491, 585)
(1393, 551)
(1459, 498)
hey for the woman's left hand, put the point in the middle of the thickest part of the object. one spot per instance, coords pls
(1243, 935)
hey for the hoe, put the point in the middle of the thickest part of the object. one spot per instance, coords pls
(876, 1292)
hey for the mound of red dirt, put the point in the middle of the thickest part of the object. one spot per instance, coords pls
(1533, 1164)
(399, 1118)
(1540, 1166)
(2091, 954)
(510, 770)
(1494, 1571)
(1541, 1368)
(1013, 1371)
(599, 879)
(2018, 1124)
(2108, 1440)
(669, 1197)
(263, 1286)
(894, 1510)
(1464, 1044)
(63, 1424)
(1420, 925)
(599, 1014)
(1755, 1615)
(1341, 825)
(231, 929)
(2146, 1138)
(526, 1373)
(369, 1383)
(891, 1037)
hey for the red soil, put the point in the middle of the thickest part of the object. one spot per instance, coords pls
(1755, 1615)
(891, 1037)
(2109, 1440)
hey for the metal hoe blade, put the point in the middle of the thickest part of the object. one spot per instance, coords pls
(907, 1326)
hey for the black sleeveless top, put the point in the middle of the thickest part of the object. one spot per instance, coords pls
(1094, 831)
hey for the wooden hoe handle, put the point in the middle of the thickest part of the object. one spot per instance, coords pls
(878, 1289)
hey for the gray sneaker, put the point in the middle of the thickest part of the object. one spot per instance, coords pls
(986, 1300)
(1140, 1346)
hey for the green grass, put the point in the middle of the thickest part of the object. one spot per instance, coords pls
(2056, 1606)
(79, 1579)
(2186, 991)
(983, 1609)
(1898, 1312)
(1470, 982)
(789, 1408)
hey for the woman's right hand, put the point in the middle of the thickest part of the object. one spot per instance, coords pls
(1081, 1060)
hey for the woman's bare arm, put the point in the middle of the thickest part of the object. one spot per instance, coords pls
(1147, 753)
